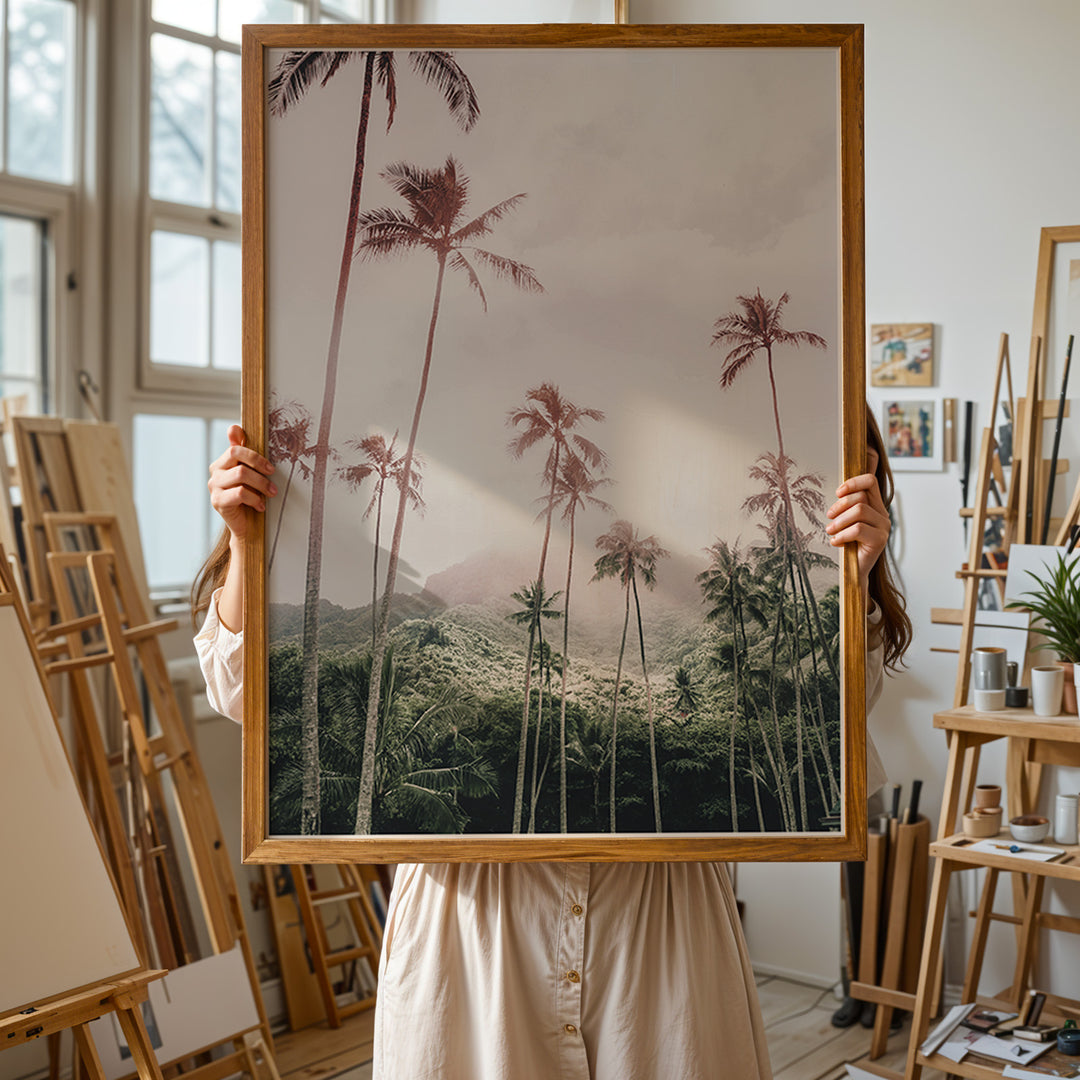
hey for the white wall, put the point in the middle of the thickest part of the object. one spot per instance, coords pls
(972, 146)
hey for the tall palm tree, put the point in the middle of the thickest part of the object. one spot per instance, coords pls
(547, 416)
(686, 700)
(588, 747)
(288, 439)
(536, 606)
(296, 72)
(384, 464)
(758, 327)
(436, 223)
(574, 490)
(727, 583)
(628, 556)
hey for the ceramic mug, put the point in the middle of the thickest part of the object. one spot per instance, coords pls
(1047, 687)
(988, 795)
(989, 667)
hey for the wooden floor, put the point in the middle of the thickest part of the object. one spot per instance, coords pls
(803, 1044)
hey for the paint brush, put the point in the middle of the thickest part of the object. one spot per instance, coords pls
(965, 472)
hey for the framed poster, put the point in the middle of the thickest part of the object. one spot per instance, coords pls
(902, 354)
(556, 337)
(912, 429)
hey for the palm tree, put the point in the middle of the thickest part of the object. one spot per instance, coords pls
(547, 416)
(628, 556)
(589, 747)
(288, 439)
(686, 700)
(293, 76)
(436, 223)
(382, 463)
(574, 488)
(758, 327)
(535, 607)
(728, 586)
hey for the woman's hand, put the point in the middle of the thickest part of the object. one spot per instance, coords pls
(239, 483)
(859, 516)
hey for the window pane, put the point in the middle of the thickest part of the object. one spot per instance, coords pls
(226, 343)
(170, 496)
(179, 299)
(227, 187)
(16, 388)
(196, 15)
(232, 14)
(39, 100)
(357, 10)
(20, 297)
(179, 120)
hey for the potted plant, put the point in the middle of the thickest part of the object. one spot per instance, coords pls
(1055, 603)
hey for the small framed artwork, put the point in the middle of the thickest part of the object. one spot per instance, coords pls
(913, 433)
(902, 354)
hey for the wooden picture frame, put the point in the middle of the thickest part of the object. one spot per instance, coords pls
(812, 71)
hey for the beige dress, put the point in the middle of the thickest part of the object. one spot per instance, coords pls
(554, 971)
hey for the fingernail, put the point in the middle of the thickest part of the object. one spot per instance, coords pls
(262, 505)
(273, 489)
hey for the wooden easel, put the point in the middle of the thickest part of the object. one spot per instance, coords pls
(124, 991)
(352, 895)
(126, 630)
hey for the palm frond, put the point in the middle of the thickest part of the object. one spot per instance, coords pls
(442, 71)
(296, 71)
(518, 274)
(482, 225)
(386, 232)
(457, 261)
(384, 76)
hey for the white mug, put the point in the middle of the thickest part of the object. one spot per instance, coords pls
(1047, 687)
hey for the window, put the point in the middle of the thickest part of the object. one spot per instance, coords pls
(22, 311)
(190, 329)
(38, 115)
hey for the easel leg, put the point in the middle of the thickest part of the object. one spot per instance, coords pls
(86, 1052)
(982, 930)
(1028, 936)
(935, 923)
(138, 1040)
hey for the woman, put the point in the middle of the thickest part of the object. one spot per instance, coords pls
(601, 971)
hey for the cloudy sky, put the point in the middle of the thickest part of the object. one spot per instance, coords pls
(660, 185)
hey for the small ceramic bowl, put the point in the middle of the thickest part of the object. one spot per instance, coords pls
(981, 826)
(989, 700)
(988, 795)
(1029, 828)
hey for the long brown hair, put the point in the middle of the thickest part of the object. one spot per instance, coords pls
(894, 630)
(211, 576)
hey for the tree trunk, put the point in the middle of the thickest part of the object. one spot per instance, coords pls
(309, 678)
(793, 647)
(565, 665)
(382, 633)
(734, 712)
(375, 566)
(523, 744)
(648, 706)
(791, 518)
(539, 720)
(281, 516)
(615, 707)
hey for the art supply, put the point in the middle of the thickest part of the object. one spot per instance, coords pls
(953, 1018)
(1019, 850)
(1012, 673)
(911, 814)
(965, 468)
(1068, 1040)
(1037, 1033)
(895, 802)
(1065, 819)
(1057, 440)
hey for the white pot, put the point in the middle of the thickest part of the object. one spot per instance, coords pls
(1047, 687)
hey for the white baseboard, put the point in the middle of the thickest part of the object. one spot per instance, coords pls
(805, 977)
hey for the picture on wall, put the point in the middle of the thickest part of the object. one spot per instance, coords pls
(902, 354)
(913, 433)
(551, 362)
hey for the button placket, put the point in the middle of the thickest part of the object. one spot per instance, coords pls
(570, 971)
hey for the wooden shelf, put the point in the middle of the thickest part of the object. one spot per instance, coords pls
(958, 849)
(1018, 723)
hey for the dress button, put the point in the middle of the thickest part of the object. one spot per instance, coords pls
(570, 1029)
(573, 976)
(577, 909)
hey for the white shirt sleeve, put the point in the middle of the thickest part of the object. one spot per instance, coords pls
(221, 657)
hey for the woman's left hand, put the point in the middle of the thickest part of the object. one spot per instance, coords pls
(859, 516)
